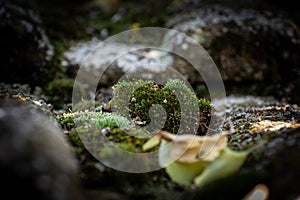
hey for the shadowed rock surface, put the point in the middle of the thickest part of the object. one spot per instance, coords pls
(250, 47)
(35, 160)
(26, 49)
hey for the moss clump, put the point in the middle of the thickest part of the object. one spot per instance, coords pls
(96, 120)
(116, 128)
(176, 98)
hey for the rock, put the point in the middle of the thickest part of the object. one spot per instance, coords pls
(27, 50)
(251, 48)
(35, 160)
(22, 93)
(258, 119)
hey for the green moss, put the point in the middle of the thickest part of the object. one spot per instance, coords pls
(118, 129)
(127, 139)
(108, 120)
(205, 105)
(175, 97)
(93, 119)
(67, 121)
(127, 147)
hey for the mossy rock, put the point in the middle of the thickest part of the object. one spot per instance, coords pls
(116, 128)
(124, 134)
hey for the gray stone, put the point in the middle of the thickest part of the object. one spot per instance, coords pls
(36, 162)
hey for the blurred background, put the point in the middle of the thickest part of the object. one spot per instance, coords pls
(255, 44)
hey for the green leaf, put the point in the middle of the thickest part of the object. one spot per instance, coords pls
(226, 165)
(184, 173)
